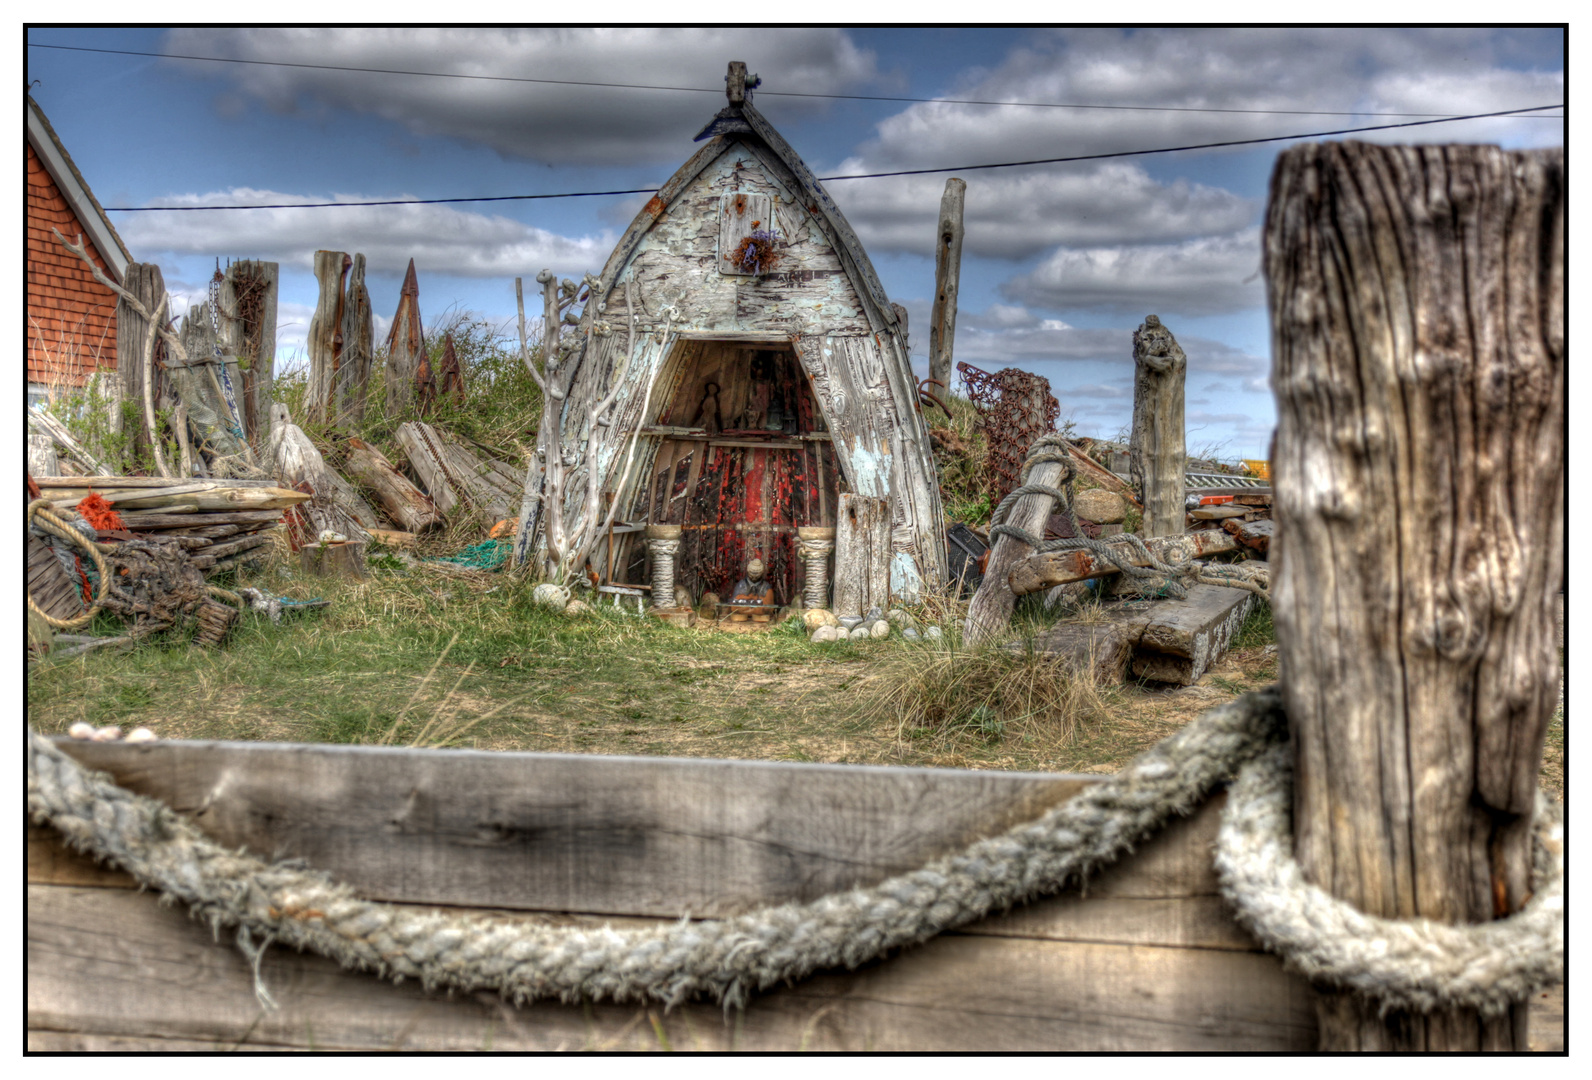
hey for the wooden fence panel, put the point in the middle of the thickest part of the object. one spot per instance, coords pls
(1146, 958)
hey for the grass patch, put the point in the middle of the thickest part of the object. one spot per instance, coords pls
(948, 695)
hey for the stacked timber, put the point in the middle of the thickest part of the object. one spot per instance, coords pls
(1242, 511)
(223, 523)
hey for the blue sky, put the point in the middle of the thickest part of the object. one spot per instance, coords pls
(1061, 262)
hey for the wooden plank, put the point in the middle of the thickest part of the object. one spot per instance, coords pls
(195, 521)
(571, 832)
(1103, 476)
(72, 1042)
(106, 484)
(1101, 647)
(163, 975)
(1049, 569)
(862, 555)
(427, 464)
(1185, 637)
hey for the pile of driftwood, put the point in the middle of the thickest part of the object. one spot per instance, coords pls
(452, 478)
(221, 523)
(1244, 512)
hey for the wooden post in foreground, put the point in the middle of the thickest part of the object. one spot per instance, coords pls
(1156, 456)
(1417, 313)
(947, 274)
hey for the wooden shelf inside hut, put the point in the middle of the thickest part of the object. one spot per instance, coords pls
(739, 456)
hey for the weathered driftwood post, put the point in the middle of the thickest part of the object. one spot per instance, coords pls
(324, 341)
(1156, 454)
(133, 336)
(354, 360)
(1417, 312)
(990, 611)
(405, 343)
(248, 302)
(947, 273)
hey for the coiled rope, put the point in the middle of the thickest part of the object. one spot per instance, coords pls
(1158, 578)
(729, 959)
(42, 517)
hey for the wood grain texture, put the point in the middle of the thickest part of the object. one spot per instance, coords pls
(1052, 568)
(407, 505)
(161, 975)
(322, 343)
(990, 611)
(1155, 449)
(947, 278)
(573, 833)
(1416, 299)
(145, 281)
(862, 555)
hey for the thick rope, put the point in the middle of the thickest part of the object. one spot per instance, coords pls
(1159, 578)
(41, 517)
(724, 959)
(1415, 964)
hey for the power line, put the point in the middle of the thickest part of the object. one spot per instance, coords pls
(708, 90)
(856, 176)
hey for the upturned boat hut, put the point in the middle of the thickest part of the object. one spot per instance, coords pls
(773, 381)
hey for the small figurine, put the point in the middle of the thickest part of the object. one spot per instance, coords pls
(754, 591)
(708, 414)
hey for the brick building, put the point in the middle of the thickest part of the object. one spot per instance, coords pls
(71, 317)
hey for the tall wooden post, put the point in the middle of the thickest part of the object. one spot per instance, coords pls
(1156, 453)
(1417, 313)
(947, 274)
(248, 311)
(354, 361)
(404, 346)
(324, 342)
(144, 281)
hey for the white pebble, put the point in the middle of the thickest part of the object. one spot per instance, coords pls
(108, 734)
(81, 730)
(933, 633)
(141, 734)
(859, 633)
(823, 634)
(880, 630)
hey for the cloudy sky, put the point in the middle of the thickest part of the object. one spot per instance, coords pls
(1061, 261)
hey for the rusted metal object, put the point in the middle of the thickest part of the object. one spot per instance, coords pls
(1015, 407)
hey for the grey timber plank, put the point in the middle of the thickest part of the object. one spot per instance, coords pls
(1185, 637)
(161, 975)
(554, 832)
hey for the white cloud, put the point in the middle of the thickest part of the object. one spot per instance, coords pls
(441, 239)
(1294, 68)
(559, 124)
(1014, 214)
(1206, 276)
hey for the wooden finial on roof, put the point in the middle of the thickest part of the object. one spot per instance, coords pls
(735, 82)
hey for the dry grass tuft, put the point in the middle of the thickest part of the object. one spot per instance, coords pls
(946, 695)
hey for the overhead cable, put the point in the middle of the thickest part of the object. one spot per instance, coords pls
(850, 176)
(720, 90)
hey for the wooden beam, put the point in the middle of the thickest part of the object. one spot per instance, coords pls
(947, 275)
(1052, 568)
(1417, 314)
(1103, 476)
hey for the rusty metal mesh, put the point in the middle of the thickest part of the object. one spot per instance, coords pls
(1014, 408)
